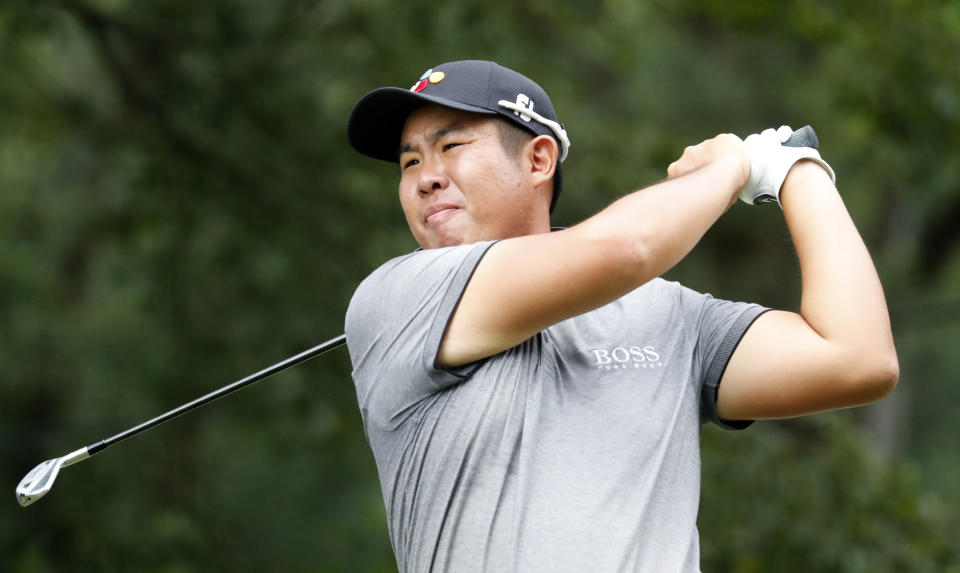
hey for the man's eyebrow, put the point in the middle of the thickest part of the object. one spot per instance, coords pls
(445, 130)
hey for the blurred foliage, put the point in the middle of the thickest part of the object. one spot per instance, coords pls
(806, 495)
(179, 208)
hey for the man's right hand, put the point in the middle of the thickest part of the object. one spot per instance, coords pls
(770, 161)
(725, 149)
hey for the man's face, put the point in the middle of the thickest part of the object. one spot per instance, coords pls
(458, 185)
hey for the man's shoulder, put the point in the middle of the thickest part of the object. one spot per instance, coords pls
(664, 301)
(662, 289)
(372, 286)
(414, 264)
(389, 267)
(413, 276)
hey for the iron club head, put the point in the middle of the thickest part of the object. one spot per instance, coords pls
(38, 482)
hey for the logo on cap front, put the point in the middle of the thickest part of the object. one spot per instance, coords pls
(422, 82)
(428, 77)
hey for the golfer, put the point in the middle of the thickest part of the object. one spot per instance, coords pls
(534, 398)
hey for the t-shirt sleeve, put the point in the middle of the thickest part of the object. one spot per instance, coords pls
(395, 324)
(722, 325)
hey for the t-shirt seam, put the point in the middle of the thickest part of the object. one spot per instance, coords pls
(712, 382)
(464, 371)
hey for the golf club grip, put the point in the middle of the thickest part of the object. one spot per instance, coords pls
(803, 137)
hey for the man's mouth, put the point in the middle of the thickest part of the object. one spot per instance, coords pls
(439, 213)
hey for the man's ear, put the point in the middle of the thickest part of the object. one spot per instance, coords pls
(542, 155)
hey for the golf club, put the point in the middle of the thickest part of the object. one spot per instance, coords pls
(38, 482)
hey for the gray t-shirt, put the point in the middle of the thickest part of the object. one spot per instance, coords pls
(578, 450)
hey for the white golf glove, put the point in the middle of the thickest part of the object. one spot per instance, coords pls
(770, 161)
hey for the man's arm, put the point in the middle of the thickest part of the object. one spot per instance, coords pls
(526, 284)
(839, 350)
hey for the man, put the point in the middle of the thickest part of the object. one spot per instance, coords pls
(533, 399)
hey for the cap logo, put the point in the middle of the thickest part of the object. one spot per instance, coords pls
(422, 82)
(436, 77)
(524, 102)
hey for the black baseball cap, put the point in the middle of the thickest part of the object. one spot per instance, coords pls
(476, 86)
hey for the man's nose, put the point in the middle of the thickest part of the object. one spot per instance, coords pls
(432, 177)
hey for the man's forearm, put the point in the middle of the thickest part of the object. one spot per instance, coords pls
(842, 298)
(661, 224)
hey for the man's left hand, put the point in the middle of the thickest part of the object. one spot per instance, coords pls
(770, 162)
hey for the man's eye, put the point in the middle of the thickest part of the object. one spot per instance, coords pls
(450, 146)
(410, 163)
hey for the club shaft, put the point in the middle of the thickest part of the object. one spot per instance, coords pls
(228, 389)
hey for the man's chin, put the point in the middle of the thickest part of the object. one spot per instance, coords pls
(446, 239)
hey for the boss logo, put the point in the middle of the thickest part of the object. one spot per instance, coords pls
(627, 357)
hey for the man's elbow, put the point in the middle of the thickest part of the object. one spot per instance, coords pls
(877, 377)
(890, 374)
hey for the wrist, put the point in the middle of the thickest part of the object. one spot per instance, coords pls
(734, 172)
(805, 177)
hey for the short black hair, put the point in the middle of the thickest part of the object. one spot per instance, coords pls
(512, 137)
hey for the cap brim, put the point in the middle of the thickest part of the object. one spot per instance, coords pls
(377, 120)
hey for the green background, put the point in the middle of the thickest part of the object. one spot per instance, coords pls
(179, 208)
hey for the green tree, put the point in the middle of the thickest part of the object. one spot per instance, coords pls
(178, 208)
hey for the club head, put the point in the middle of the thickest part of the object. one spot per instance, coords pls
(38, 482)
